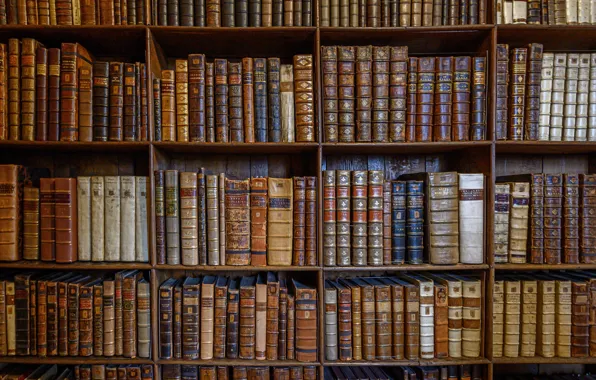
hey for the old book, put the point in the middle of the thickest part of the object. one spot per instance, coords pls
(109, 319)
(260, 99)
(344, 317)
(65, 219)
(53, 96)
(30, 223)
(512, 318)
(415, 217)
(186, 9)
(299, 221)
(207, 316)
(228, 14)
(85, 104)
(27, 73)
(331, 322)
(10, 319)
(461, 99)
(583, 85)
(380, 98)
(398, 222)
(546, 88)
(519, 12)
(359, 218)
(287, 103)
(282, 346)
(518, 221)
(367, 319)
(570, 225)
(330, 93)
(191, 315)
(272, 319)
(502, 91)
(306, 322)
(100, 100)
(247, 318)
(22, 318)
(212, 14)
(563, 317)
(471, 218)
(478, 123)
(232, 319)
(311, 221)
(188, 218)
(14, 89)
(591, 93)
(182, 117)
(74, 57)
(587, 218)
(72, 319)
(517, 93)
(375, 217)
(201, 217)
(346, 56)
(168, 103)
(4, 91)
(343, 217)
(116, 129)
(126, 208)
(397, 93)
(501, 222)
(443, 99)
(329, 218)
(498, 317)
(298, 12)
(160, 216)
(279, 221)
(235, 101)
(84, 217)
(424, 102)
(219, 325)
(172, 217)
(363, 93)
(141, 222)
(529, 298)
(383, 326)
(166, 295)
(97, 318)
(85, 305)
(545, 332)
(221, 186)
(196, 97)
(471, 315)
(248, 99)
(426, 292)
(258, 221)
(274, 100)
(571, 90)
(534, 72)
(291, 351)
(261, 331)
(558, 96)
(537, 218)
(237, 213)
(177, 322)
(304, 98)
(157, 109)
(553, 188)
(212, 219)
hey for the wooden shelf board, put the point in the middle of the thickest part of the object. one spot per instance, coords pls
(530, 267)
(523, 27)
(545, 147)
(79, 265)
(401, 148)
(232, 30)
(72, 360)
(240, 362)
(421, 29)
(239, 268)
(408, 267)
(65, 146)
(541, 360)
(421, 362)
(237, 148)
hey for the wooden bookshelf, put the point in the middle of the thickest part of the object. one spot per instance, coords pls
(159, 45)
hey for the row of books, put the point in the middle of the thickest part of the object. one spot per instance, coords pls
(546, 12)
(204, 219)
(546, 377)
(413, 316)
(73, 219)
(70, 314)
(545, 218)
(61, 94)
(179, 372)
(73, 12)
(262, 317)
(380, 94)
(253, 100)
(385, 13)
(230, 13)
(544, 314)
(463, 372)
(369, 220)
(112, 372)
(545, 96)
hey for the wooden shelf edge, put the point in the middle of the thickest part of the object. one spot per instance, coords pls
(73, 360)
(240, 268)
(420, 362)
(536, 267)
(235, 148)
(541, 360)
(442, 28)
(402, 147)
(408, 267)
(77, 145)
(240, 362)
(79, 265)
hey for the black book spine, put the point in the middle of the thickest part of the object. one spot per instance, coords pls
(186, 13)
(398, 222)
(173, 13)
(274, 105)
(415, 221)
(228, 14)
(260, 83)
(241, 9)
(199, 13)
(278, 13)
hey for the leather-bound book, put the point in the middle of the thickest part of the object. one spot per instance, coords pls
(189, 218)
(537, 218)
(117, 101)
(247, 318)
(129, 9)
(29, 48)
(478, 124)
(100, 93)
(287, 103)
(472, 316)
(471, 218)
(235, 101)
(580, 309)
(258, 221)
(196, 97)
(304, 98)
(96, 318)
(564, 317)
(10, 319)
(518, 221)
(367, 319)
(160, 216)
(237, 209)
(47, 217)
(186, 8)
(220, 318)
(546, 330)
(30, 222)
(222, 217)
(460, 118)
(411, 103)
(380, 93)
(387, 222)
(517, 91)
(582, 107)
(272, 321)
(282, 346)
(14, 89)
(4, 92)
(375, 217)
(499, 317)
(383, 325)
(330, 93)
(359, 217)
(182, 117)
(346, 95)
(74, 56)
(441, 320)
(333, 12)
(228, 14)
(570, 226)
(427, 13)
(21, 307)
(84, 217)
(329, 218)
(266, 13)
(212, 219)
(85, 104)
(157, 109)
(64, 13)
(88, 12)
(168, 104)
(274, 100)
(261, 330)
(502, 91)
(311, 221)
(344, 317)
(248, 100)
(172, 217)
(553, 200)
(202, 217)
(343, 217)
(207, 317)
(373, 13)
(331, 322)
(33, 311)
(177, 322)
(109, 318)
(171, 15)
(279, 221)
(363, 93)
(398, 222)
(232, 319)
(213, 11)
(424, 101)
(415, 221)
(426, 293)
(571, 89)
(291, 335)
(141, 222)
(558, 96)
(438, 12)
(40, 95)
(529, 300)
(260, 99)
(210, 102)
(405, 10)
(501, 222)
(127, 218)
(443, 99)
(532, 111)
(416, 12)
(130, 115)
(129, 314)
(306, 322)
(166, 309)
(299, 230)
(587, 217)
(397, 93)
(307, 13)
(254, 12)
(65, 219)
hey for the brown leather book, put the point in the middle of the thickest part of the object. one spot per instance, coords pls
(478, 125)
(247, 318)
(213, 12)
(168, 105)
(186, 9)
(298, 13)
(416, 13)
(274, 100)
(88, 12)
(41, 94)
(363, 93)
(291, 350)
(282, 344)
(330, 93)
(266, 13)
(532, 106)
(191, 316)
(116, 129)
(288, 13)
(64, 12)
(411, 107)
(461, 99)
(202, 216)
(65, 198)
(54, 64)
(387, 223)
(3, 92)
(14, 89)
(220, 317)
(299, 238)
(397, 93)
(196, 97)
(177, 323)
(74, 56)
(235, 102)
(344, 317)
(347, 93)
(424, 100)
(237, 222)
(304, 98)
(517, 92)
(570, 218)
(580, 314)
(373, 13)
(383, 325)
(29, 48)
(272, 316)
(101, 91)
(359, 217)
(188, 219)
(97, 318)
(375, 217)
(47, 220)
(181, 78)
(587, 217)
(258, 221)
(86, 317)
(31, 223)
(502, 91)
(311, 221)
(443, 99)
(306, 322)
(157, 109)
(553, 200)
(233, 308)
(11, 179)
(43, 12)
(397, 317)
(130, 103)
(21, 312)
(367, 292)
(160, 216)
(142, 102)
(85, 104)
(106, 12)
(221, 101)
(248, 105)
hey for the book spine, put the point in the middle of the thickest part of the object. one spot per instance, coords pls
(116, 129)
(498, 317)
(219, 327)
(306, 324)
(22, 304)
(274, 101)
(592, 96)
(501, 223)
(202, 217)
(461, 99)
(188, 218)
(109, 319)
(168, 106)
(177, 323)
(41, 94)
(157, 109)
(571, 89)
(330, 92)
(416, 12)
(329, 218)
(455, 304)
(311, 221)
(212, 13)
(235, 102)
(4, 100)
(581, 111)
(529, 316)
(287, 103)
(502, 91)
(272, 319)
(546, 88)
(191, 315)
(65, 219)
(443, 99)
(258, 221)
(534, 72)
(97, 319)
(85, 104)
(31, 223)
(580, 303)
(101, 72)
(397, 320)
(232, 324)
(427, 12)
(553, 189)
(558, 97)
(363, 93)
(228, 14)
(86, 321)
(279, 221)
(471, 218)
(415, 221)
(359, 217)
(478, 123)
(425, 93)
(564, 318)
(127, 218)
(298, 12)
(141, 223)
(47, 221)
(182, 126)
(304, 98)
(537, 219)
(248, 100)
(441, 321)
(282, 346)
(212, 215)
(375, 217)
(299, 232)
(222, 218)
(14, 92)
(186, 8)
(472, 317)
(411, 99)
(160, 216)
(380, 98)
(346, 96)
(517, 93)
(210, 101)
(247, 322)
(143, 321)
(29, 47)
(518, 221)
(33, 317)
(343, 217)
(221, 101)
(444, 218)
(237, 222)
(368, 323)
(587, 221)
(165, 322)
(405, 10)
(84, 217)
(54, 63)
(172, 217)
(398, 222)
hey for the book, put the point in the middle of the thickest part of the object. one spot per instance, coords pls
(279, 220)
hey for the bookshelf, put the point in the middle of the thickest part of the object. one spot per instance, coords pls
(157, 46)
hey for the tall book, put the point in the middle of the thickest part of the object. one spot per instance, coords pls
(74, 56)
(375, 217)
(501, 223)
(287, 103)
(232, 319)
(166, 295)
(261, 331)
(235, 101)
(329, 218)
(471, 218)
(330, 93)
(478, 123)
(207, 317)
(299, 231)
(570, 108)
(65, 220)
(127, 218)
(220, 317)
(558, 96)
(311, 221)
(502, 91)
(583, 89)
(380, 98)
(498, 318)
(237, 222)
(363, 93)
(304, 98)
(517, 93)
(212, 214)
(512, 318)
(172, 216)
(359, 217)
(425, 99)
(426, 291)
(587, 217)
(272, 322)
(247, 318)
(346, 56)
(306, 322)
(529, 302)
(460, 127)
(534, 72)
(343, 217)
(545, 322)
(248, 99)
(344, 317)
(415, 217)
(443, 99)
(398, 222)
(331, 322)
(397, 92)
(570, 230)
(279, 221)
(553, 188)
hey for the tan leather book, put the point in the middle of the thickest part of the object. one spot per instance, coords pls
(375, 217)
(188, 218)
(367, 319)
(196, 97)
(168, 105)
(363, 93)
(512, 318)
(563, 318)
(380, 94)
(207, 316)
(47, 219)
(29, 48)
(546, 318)
(304, 98)
(306, 322)
(247, 318)
(258, 221)
(237, 211)
(212, 203)
(222, 218)
(84, 217)
(330, 93)
(279, 221)
(299, 238)
(220, 317)
(14, 89)
(272, 316)
(182, 117)
(86, 317)
(355, 317)
(31, 223)
(384, 348)
(261, 330)
(291, 350)
(248, 105)
(529, 298)
(499, 317)
(343, 217)
(287, 103)
(66, 220)
(518, 221)
(74, 57)
(3, 92)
